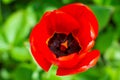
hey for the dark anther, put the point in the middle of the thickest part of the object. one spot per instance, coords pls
(62, 45)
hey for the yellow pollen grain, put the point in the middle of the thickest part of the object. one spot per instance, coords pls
(65, 44)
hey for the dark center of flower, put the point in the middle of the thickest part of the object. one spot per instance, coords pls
(62, 45)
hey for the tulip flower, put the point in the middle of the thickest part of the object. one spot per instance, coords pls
(65, 38)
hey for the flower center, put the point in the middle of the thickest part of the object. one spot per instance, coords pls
(62, 45)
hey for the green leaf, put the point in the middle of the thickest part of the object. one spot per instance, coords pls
(112, 54)
(37, 73)
(104, 40)
(67, 1)
(103, 15)
(0, 16)
(50, 8)
(103, 2)
(113, 72)
(12, 25)
(18, 25)
(51, 75)
(20, 54)
(30, 21)
(98, 2)
(3, 44)
(5, 74)
(107, 2)
(22, 73)
(116, 15)
(115, 2)
(92, 73)
(7, 1)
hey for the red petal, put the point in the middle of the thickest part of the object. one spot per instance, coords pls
(84, 35)
(87, 21)
(71, 60)
(77, 9)
(90, 58)
(59, 21)
(90, 45)
(88, 61)
(39, 58)
(38, 38)
(51, 22)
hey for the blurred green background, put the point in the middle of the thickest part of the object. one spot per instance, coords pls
(18, 17)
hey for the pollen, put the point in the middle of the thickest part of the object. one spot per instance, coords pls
(64, 46)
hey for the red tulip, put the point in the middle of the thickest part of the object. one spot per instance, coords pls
(64, 37)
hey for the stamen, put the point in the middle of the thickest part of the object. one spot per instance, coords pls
(62, 45)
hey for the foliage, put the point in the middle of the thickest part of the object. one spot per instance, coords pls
(18, 17)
